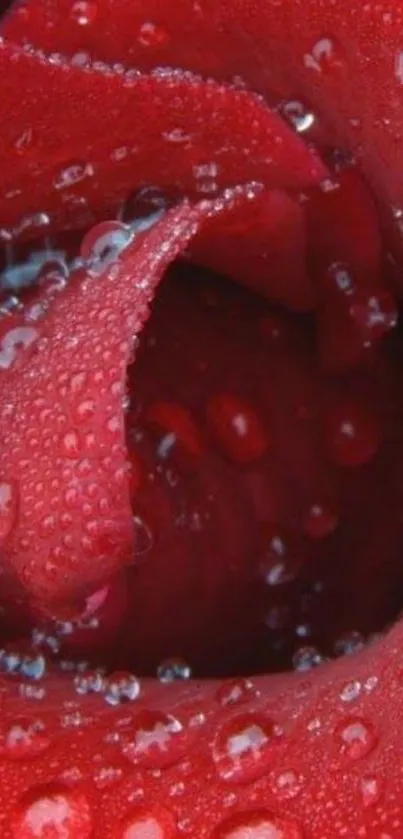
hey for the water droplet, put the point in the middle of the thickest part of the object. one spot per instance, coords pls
(371, 789)
(300, 117)
(24, 738)
(14, 343)
(352, 434)
(258, 824)
(148, 823)
(236, 692)
(350, 691)
(356, 737)
(33, 667)
(173, 670)
(152, 35)
(120, 688)
(320, 520)
(9, 500)
(144, 538)
(348, 643)
(102, 244)
(244, 747)
(52, 810)
(84, 12)
(92, 681)
(155, 740)
(236, 428)
(286, 784)
(72, 174)
(306, 658)
(71, 444)
(324, 57)
(280, 560)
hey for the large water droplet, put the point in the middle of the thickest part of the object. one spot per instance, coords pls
(103, 243)
(356, 737)
(120, 688)
(173, 669)
(148, 823)
(244, 747)
(14, 343)
(9, 501)
(155, 740)
(258, 824)
(52, 810)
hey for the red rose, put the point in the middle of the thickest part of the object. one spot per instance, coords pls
(201, 462)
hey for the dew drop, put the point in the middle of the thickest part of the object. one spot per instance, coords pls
(300, 117)
(148, 823)
(152, 35)
(24, 738)
(84, 12)
(9, 501)
(356, 737)
(348, 643)
(306, 658)
(352, 434)
(258, 824)
(155, 740)
(236, 692)
(72, 174)
(286, 784)
(71, 444)
(144, 538)
(121, 687)
(52, 810)
(102, 244)
(92, 681)
(237, 428)
(371, 789)
(324, 57)
(244, 747)
(173, 670)
(320, 520)
(350, 691)
(14, 342)
(280, 560)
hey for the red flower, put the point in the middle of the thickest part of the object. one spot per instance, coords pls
(233, 497)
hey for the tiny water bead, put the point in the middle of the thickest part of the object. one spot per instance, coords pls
(355, 737)
(244, 747)
(258, 824)
(52, 810)
(152, 35)
(173, 670)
